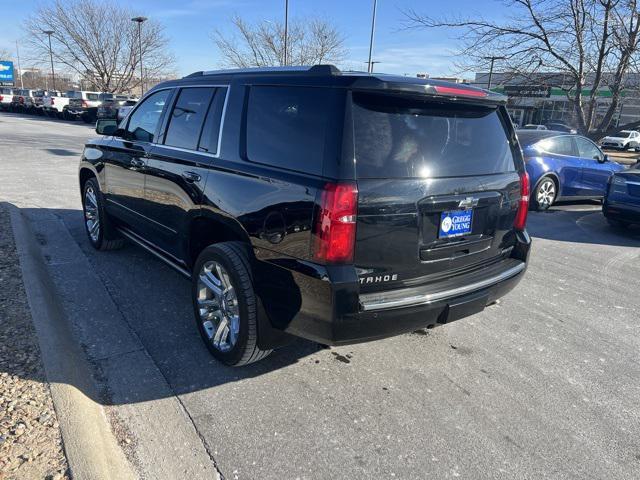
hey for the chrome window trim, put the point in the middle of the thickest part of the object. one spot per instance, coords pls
(222, 119)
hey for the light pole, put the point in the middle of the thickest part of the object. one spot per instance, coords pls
(19, 67)
(373, 28)
(493, 59)
(286, 30)
(53, 73)
(371, 63)
(139, 21)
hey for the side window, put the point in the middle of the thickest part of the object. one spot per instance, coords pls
(286, 127)
(588, 150)
(187, 117)
(144, 120)
(561, 146)
(211, 129)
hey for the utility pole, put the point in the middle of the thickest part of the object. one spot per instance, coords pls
(286, 30)
(373, 29)
(371, 63)
(53, 73)
(140, 20)
(493, 59)
(19, 67)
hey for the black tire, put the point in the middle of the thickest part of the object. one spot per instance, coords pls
(544, 182)
(233, 257)
(107, 237)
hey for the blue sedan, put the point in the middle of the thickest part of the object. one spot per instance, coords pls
(621, 203)
(562, 166)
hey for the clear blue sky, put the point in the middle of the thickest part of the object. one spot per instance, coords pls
(189, 24)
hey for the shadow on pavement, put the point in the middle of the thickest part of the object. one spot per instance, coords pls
(132, 314)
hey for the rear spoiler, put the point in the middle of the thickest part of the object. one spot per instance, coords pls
(445, 90)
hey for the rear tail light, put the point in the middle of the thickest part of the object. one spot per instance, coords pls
(335, 229)
(1, 98)
(53, 102)
(523, 203)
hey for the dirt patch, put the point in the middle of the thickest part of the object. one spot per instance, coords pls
(30, 441)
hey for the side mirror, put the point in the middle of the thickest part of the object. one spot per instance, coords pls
(603, 159)
(106, 126)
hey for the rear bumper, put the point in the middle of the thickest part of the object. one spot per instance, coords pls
(330, 309)
(626, 212)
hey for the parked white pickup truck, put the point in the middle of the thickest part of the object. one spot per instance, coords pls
(6, 95)
(53, 105)
(38, 99)
(80, 103)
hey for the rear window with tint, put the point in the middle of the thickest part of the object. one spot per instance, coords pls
(398, 137)
(93, 96)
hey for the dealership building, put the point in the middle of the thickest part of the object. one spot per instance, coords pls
(542, 99)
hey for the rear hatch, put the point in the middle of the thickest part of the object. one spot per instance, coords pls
(438, 188)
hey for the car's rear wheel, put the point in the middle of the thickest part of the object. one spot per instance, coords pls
(544, 194)
(225, 304)
(102, 235)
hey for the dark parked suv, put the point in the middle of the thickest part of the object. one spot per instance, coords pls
(338, 207)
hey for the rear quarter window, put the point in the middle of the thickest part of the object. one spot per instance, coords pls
(287, 127)
(397, 137)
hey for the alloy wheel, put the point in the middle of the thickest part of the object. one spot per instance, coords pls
(546, 193)
(92, 214)
(218, 306)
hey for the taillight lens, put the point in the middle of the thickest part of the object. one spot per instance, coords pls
(52, 101)
(335, 229)
(523, 203)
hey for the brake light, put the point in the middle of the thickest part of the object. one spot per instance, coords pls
(462, 92)
(523, 203)
(52, 101)
(1, 98)
(335, 230)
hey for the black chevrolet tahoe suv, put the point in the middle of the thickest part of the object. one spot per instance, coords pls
(339, 207)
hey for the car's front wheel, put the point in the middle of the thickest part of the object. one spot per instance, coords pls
(544, 194)
(102, 235)
(225, 304)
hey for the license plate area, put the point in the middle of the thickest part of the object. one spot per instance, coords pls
(455, 223)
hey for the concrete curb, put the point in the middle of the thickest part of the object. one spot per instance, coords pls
(91, 448)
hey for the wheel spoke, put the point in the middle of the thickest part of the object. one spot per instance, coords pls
(211, 282)
(221, 332)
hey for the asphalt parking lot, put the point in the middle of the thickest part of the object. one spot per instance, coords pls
(544, 384)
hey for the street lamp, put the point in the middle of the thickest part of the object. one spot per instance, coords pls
(493, 59)
(373, 28)
(139, 21)
(53, 74)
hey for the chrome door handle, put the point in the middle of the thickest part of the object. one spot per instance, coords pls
(191, 177)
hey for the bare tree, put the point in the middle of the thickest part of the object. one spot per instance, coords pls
(98, 40)
(592, 43)
(5, 54)
(310, 42)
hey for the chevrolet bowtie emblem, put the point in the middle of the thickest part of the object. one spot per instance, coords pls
(468, 202)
